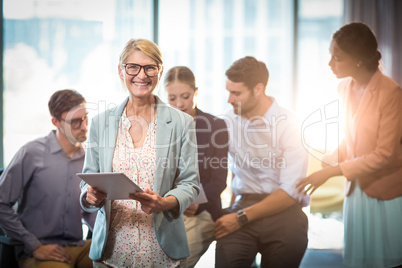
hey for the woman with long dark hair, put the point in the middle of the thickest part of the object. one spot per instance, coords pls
(370, 156)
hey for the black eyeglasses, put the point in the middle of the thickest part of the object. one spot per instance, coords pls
(76, 122)
(134, 69)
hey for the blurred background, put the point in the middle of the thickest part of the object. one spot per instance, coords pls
(49, 45)
(54, 44)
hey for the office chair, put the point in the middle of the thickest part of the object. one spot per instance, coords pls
(330, 196)
(7, 255)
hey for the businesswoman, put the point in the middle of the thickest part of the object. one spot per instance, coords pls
(212, 141)
(154, 145)
(370, 156)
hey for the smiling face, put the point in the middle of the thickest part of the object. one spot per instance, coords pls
(140, 85)
(181, 96)
(341, 63)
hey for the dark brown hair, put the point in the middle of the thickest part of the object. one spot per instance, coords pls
(357, 40)
(63, 101)
(250, 71)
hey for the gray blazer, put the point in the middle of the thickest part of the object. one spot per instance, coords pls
(176, 174)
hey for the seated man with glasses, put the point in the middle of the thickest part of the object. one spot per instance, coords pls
(42, 180)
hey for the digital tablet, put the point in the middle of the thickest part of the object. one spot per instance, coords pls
(201, 198)
(115, 185)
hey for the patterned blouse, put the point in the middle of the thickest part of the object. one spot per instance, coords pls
(131, 239)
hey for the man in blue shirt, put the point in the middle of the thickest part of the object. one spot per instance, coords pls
(267, 159)
(41, 179)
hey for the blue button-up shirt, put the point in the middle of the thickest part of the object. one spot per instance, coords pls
(42, 179)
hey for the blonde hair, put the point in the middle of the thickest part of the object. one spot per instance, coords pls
(181, 74)
(147, 47)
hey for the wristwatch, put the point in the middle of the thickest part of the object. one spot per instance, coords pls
(242, 217)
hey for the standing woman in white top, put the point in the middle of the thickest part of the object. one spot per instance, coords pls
(155, 146)
(370, 156)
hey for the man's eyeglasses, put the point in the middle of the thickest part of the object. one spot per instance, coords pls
(134, 69)
(76, 122)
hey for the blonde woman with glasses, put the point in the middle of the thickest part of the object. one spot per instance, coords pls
(155, 147)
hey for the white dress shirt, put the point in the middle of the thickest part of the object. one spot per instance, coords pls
(266, 153)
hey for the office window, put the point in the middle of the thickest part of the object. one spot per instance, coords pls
(317, 100)
(54, 44)
(57, 44)
(208, 36)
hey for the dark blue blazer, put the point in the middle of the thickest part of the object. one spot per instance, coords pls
(212, 141)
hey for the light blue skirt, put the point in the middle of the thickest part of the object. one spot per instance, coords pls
(373, 231)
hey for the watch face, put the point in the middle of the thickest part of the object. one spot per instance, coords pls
(242, 217)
